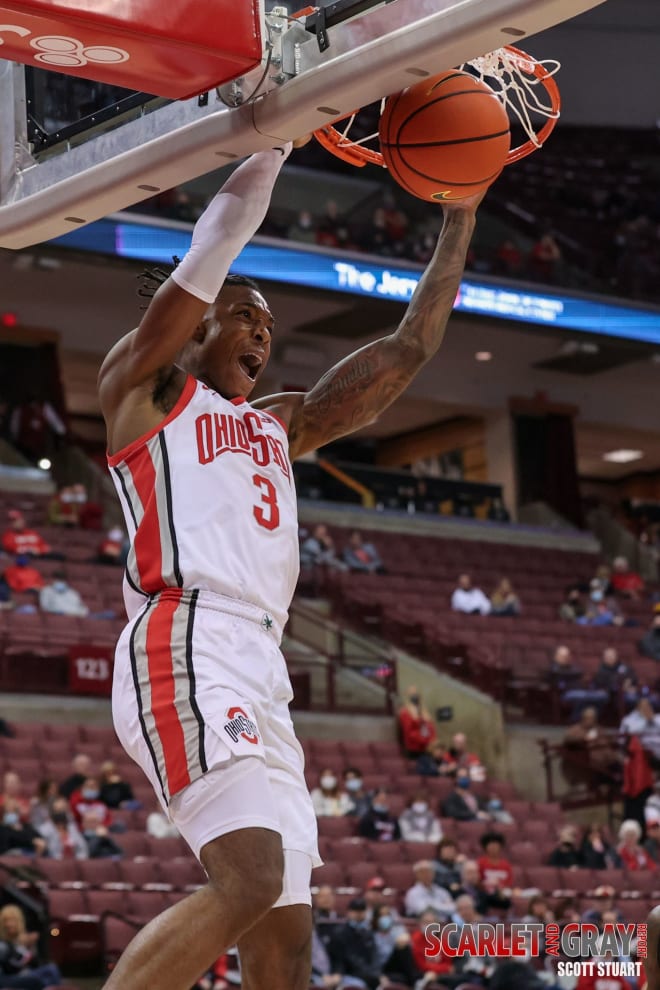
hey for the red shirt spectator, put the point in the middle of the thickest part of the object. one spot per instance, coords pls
(417, 729)
(624, 580)
(18, 539)
(596, 982)
(495, 872)
(86, 804)
(420, 945)
(21, 576)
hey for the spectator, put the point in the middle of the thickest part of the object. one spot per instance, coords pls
(459, 757)
(59, 598)
(601, 611)
(426, 895)
(5, 594)
(17, 835)
(597, 753)
(508, 259)
(19, 964)
(13, 791)
(20, 541)
(378, 824)
(319, 550)
(418, 823)
(432, 763)
(328, 800)
(430, 965)
(361, 556)
(63, 838)
(116, 792)
(504, 601)
(159, 826)
(495, 872)
(467, 599)
(326, 231)
(322, 977)
(544, 259)
(471, 884)
(649, 644)
(643, 722)
(652, 841)
(112, 548)
(448, 866)
(625, 581)
(302, 229)
(615, 676)
(461, 804)
(415, 724)
(565, 677)
(497, 812)
(86, 804)
(538, 910)
(22, 576)
(396, 222)
(573, 608)
(81, 766)
(632, 854)
(352, 947)
(41, 805)
(566, 855)
(63, 508)
(596, 853)
(324, 904)
(393, 947)
(602, 580)
(354, 787)
(374, 895)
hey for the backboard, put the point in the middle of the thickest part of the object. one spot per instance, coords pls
(313, 69)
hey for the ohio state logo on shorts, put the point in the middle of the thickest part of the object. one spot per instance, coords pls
(240, 725)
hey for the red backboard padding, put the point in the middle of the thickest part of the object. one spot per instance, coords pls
(172, 49)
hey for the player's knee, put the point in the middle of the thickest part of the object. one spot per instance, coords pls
(248, 868)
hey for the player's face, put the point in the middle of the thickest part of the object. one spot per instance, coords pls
(237, 345)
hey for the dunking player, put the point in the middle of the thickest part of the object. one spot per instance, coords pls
(201, 692)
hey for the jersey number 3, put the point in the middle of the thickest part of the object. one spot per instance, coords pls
(267, 513)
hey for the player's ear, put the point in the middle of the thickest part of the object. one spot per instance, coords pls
(201, 331)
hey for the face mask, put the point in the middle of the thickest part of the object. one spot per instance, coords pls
(354, 784)
(495, 804)
(414, 698)
(380, 809)
(358, 924)
(11, 818)
(328, 783)
(464, 783)
(419, 807)
(59, 585)
(59, 818)
(596, 596)
(385, 923)
(89, 794)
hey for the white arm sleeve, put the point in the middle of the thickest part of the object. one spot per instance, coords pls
(227, 224)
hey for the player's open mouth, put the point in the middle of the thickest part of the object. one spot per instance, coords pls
(250, 364)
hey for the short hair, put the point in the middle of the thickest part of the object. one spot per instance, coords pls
(232, 280)
(151, 279)
(489, 837)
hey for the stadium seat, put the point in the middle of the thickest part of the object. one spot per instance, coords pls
(141, 872)
(67, 903)
(107, 900)
(332, 874)
(145, 904)
(99, 872)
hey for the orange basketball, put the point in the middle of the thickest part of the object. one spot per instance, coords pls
(445, 138)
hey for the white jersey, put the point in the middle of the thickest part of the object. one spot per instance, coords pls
(210, 504)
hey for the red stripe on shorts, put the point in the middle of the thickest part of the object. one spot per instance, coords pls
(161, 679)
(148, 552)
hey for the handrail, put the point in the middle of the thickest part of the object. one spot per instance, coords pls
(367, 496)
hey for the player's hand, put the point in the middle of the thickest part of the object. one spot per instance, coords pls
(302, 141)
(468, 205)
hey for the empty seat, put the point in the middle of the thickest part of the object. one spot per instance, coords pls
(59, 872)
(146, 904)
(332, 874)
(65, 903)
(107, 900)
(142, 871)
(98, 872)
(184, 873)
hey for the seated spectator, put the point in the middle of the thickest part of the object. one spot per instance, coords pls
(20, 541)
(319, 550)
(467, 599)
(495, 872)
(302, 229)
(63, 838)
(565, 677)
(625, 581)
(497, 812)
(643, 722)
(652, 841)
(41, 805)
(358, 797)
(326, 230)
(504, 601)
(352, 947)
(378, 824)
(462, 804)
(649, 644)
(459, 757)
(598, 754)
(21, 576)
(59, 598)
(324, 904)
(596, 853)
(545, 259)
(328, 799)
(566, 855)
(471, 884)
(361, 556)
(615, 676)
(12, 790)
(374, 895)
(20, 964)
(86, 803)
(112, 549)
(573, 608)
(100, 843)
(393, 947)
(116, 792)
(432, 763)
(431, 966)
(601, 611)
(418, 823)
(538, 910)
(415, 724)
(63, 508)
(17, 835)
(508, 259)
(81, 766)
(632, 854)
(602, 580)
(448, 866)
(426, 895)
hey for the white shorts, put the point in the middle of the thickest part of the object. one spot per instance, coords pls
(200, 701)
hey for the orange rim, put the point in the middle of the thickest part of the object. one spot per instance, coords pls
(355, 154)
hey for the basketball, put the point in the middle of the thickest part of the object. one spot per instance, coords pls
(446, 138)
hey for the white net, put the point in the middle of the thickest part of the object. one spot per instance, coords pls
(518, 81)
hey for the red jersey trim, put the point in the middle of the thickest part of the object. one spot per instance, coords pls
(181, 403)
(277, 419)
(238, 400)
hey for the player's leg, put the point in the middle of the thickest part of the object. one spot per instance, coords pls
(245, 879)
(276, 953)
(652, 961)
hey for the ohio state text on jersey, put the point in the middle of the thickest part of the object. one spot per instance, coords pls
(209, 502)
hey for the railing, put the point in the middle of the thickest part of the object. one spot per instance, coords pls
(585, 783)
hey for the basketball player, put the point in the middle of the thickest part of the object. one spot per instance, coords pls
(652, 960)
(201, 692)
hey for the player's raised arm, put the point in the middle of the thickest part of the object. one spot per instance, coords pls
(354, 393)
(229, 221)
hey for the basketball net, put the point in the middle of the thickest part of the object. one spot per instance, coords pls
(524, 85)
